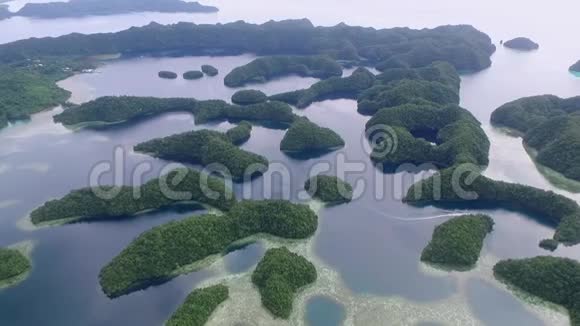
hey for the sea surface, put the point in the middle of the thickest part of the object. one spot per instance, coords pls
(367, 252)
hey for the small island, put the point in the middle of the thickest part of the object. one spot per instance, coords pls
(575, 68)
(553, 279)
(306, 139)
(248, 97)
(14, 267)
(264, 69)
(179, 247)
(335, 87)
(550, 127)
(192, 75)
(240, 133)
(329, 189)
(82, 8)
(272, 112)
(426, 134)
(549, 244)
(450, 187)
(457, 243)
(208, 148)
(167, 75)
(279, 276)
(522, 44)
(199, 306)
(210, 70)
(118, 202)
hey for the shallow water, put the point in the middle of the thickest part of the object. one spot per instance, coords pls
(367, 251)
(323, 311)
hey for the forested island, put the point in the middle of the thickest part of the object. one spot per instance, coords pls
(199, 306)
(550, 126)
(193, 75)
(248, 97)
(114, 110)
(329, 189)
(450, 187)
(443, 136)
(278, 276)
(457, 243)
(240, 133)
(463, 46)
(307, 139)
(172, 249)
(211, 149)
(264, 69)
(167, 75)
(553, 279)
(210, 70)
(575, 67)
(13, 267)
(522, 44)
(334, 87)
(82, 8)
(90, 204)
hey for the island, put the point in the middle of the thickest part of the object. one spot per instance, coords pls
(457, 243)
(463, 186)
(199, 306)
(114, 110)
(210, 70)
(278, 276)
(306, 139)
(264, 69)
(335, 87)
(167, 75)
(82, 8)
(14, 267)
(193, 75)
(550, 127)
(426, 134)
(575, 67)
(549, 244)
(211, 149)
(248, 97)
(383, 49)
(179, 247)
(273, 113)
(240, 134)
(178, 186)
(522, 44)
(329, 189)
(553, 279)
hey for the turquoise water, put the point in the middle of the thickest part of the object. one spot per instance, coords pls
(323, 311)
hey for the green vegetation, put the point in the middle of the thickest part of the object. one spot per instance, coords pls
(81, 8)
(13, 265)
(198, 306)
(279, 276)
(575, 67)
(240, 133)
(549, 244)
(443, 136)
(551, 127)
(459, 186)
(276, 112)
(335, 87)
(24, 91)
(264, 69)
(554, 279)
(181, 185)
(208, 148)
(250, 96)
(305, 138)
(466, 48)
(192, 75)
(329, 189)
(457, 243)
(174, 248)
(167, 75)
(120, 109)
(210, 70)
(522, 43)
